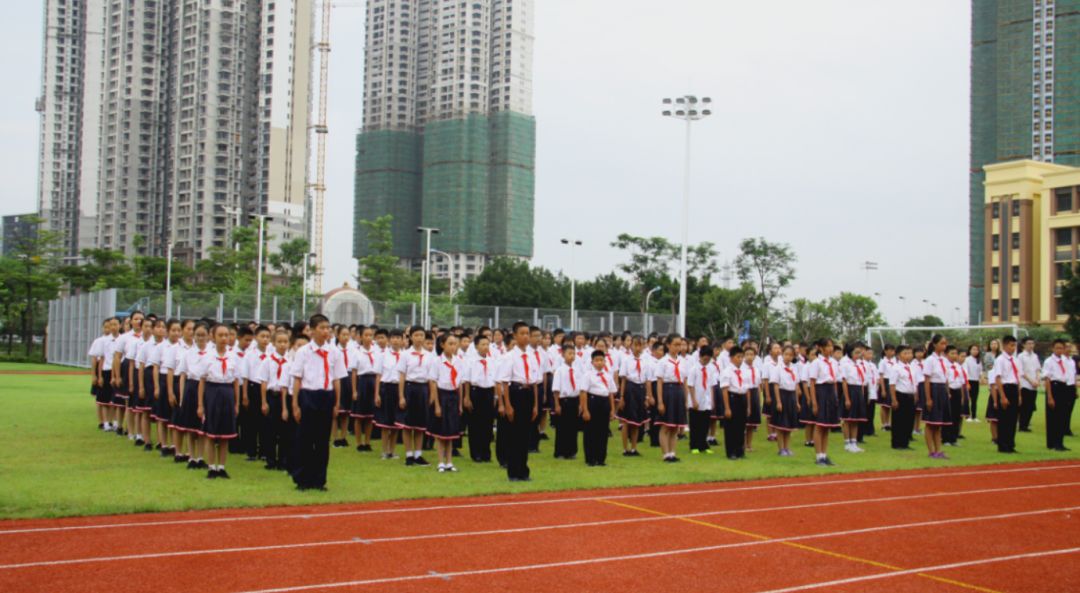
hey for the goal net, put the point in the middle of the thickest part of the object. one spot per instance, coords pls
(960, 335)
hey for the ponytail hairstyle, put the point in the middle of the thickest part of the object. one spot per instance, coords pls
(934, 341)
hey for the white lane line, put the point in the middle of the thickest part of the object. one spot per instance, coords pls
(939, 567)
(488, 505)
(513, 530)
(683, 551)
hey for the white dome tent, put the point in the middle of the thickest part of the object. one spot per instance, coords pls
(348, 306)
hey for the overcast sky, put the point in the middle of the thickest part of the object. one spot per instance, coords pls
(840, 127)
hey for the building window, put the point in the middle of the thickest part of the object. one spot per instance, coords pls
(1015, 208)
(1063, 200)
(1063, 237)
(995, 275)
(995, 210)
(1014, 308)
(995, 242)
(1015, 276)
(1016, 240)
(995, 308)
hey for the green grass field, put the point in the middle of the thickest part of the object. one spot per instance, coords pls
(55, 462)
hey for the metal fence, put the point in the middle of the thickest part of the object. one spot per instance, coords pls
(75, 321)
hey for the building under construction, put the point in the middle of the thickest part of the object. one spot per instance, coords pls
(448, 139)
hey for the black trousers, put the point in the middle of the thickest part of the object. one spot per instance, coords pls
(951, 433)
(654, 428)
(1007, 418)
(1027, 407)
(866, 429)
(272, 438)
(1055, 418)
(699, 429)
(252, 422)
(312, 448)
(288, 436)
(973, 395)
(481, 422)
(519, 431)
(735, 427)
(595, 440)
(903, 420)
(567, 424)
(1067, 413)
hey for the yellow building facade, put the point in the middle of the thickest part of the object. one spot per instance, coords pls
(1031, 217)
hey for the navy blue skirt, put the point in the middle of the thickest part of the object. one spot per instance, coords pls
(104, 394)
(885, 398)
(347, 395)
(828, 413)
(857, 411)
(754, 419)
(787, 419)
(674, 397)
(446, 426)
(219, 407)
(120, 392)
(940, 414)
(633, 410)
(363, 405)
(145, 400)
(387, 414)
(806, 411)
(416, 406)
(186, 415)
(162, 411)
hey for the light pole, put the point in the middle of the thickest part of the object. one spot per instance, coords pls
(686, 108)
(168, 279)
(425, 273)
(450, 268)
(648, 296)
(869, 266)
(259, 271)
(573, 283)
(303, 302)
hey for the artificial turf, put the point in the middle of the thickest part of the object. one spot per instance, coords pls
(55, 462)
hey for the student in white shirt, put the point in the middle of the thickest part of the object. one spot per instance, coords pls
(95, 354)
(363, 407)
(538, 355)
(937, 412)
(350, 358)
(769, 364)
(101, 355)
(903, 387)
(388, 415)
(852, 386)
(958, 398)
(123, 386)
(885, 371)
(155, 384)
(413, 394)
(567, 390)
(786, 394)
(518, 380)
(445, 379)
(1008, 374)
(702, 380)
(734, 385)
(823, 399)
(480, 399)
(973, 366)
(866, 429)
(671, 396)
(274, 385)
(806, 411)
(142, 401)
(635, 393)
(1029, 382)
(252, 421)
(597, 406)
(219, 400)
(1059, 374)
(317, 371)
(753, 367)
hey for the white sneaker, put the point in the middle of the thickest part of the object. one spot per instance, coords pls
(857, 449)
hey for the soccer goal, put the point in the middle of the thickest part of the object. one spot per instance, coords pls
(897, 334)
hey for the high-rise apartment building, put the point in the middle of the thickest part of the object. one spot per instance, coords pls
(1025, 104)
(201, 121)
(448, 137)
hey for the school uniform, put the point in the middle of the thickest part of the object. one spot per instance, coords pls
(670, 375)
(318, 368)
(785, 380)
(539, 360)
(736, 380)
(905, 384)
(448, 375)
(1061, 374)
(753, 418)
(158, 392)
(866, 429)
(767, 368)
(1029, 385)
(350, 358)
(414, 365)
(634, 373)
(520, 378)
(222, 375)
(855, 405)
(144, 377)
(388, 414)
(252, 420)
(276, 439)
(131, 374)
(991, 406)
(824, 373)
(122, 391)
(974, 370)
(102, 348)
(885, 370)
(920, 388)
(95, 353)
(957, 385)
(567, 388)
(806, 411)
(190, 369)
(1007, 370)
(599, 385)
(702, 380)
(363, 406)
(480, 374)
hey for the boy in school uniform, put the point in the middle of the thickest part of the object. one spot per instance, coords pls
(1059, 372)
(96, 354)
(597, 405)
(1029, 382)
(734, 386)
(702, 380)
(363, 408)
(274, 387)
(317, 372)
(253, 419)
(480, 399)
(1007, 373)
(538, 353)
(903, 387)
(568, 392)
(519, 382)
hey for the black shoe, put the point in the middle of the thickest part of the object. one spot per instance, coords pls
(192, 464)
(166, 453)
(101, 426)
(960, 436)
(212, 474)
(410, 461)
(270, 466)
(808, 443)
(627, 453)
(420, 461)
(203, 464)
(828, 462)
(149, 447)
(224, 475)
(1025, 430)
(360, 449)
(139, 442)
(178, 459)
(544, 436)
(1062, 449)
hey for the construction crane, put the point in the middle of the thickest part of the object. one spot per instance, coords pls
(321, 49)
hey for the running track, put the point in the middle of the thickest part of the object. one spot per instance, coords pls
(991, 529)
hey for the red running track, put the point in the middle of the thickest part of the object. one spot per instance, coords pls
(991, 529)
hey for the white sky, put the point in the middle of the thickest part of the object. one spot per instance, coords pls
(840, 127)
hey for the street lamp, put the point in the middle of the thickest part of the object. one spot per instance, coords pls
(425, 273)
(303, 303)
(450, 267)
(573, 283)
(686, 108)
(648, 296)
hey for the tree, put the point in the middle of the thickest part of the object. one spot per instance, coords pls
(32, 277)
(653, 261)
(380, 276)
(920, 337)
(608, 292)
(289, 263)
(808, 320)
(514, 283)
(851, 314)
(1070, 303)
(723, 311)
(101, 268)
(769, 267)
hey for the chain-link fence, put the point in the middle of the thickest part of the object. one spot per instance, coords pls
(75, 321)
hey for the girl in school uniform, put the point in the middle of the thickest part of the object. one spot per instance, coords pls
(219, 401)
(597, 405)
(873, 394)
(388, 415)
(920, 401)
(936, 412)
(823, 399)
(852, 386)
(142, 378)
(635, 393)
(702, 381)
(975, 373)
(786, 393)
(121, 376)
(958, 399)
(480, 399)
(567, 391)
(885, 366)
(413, 394)
(769, 367)
(903, 387)
(753, 419)
(734, 385)
(161, 412)
(101, 357)
(672, 394)
(187, 420)
(348, 388)
(806, 411)
(363, 408)
(170, 363)
(274, 383)
(444, 415)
